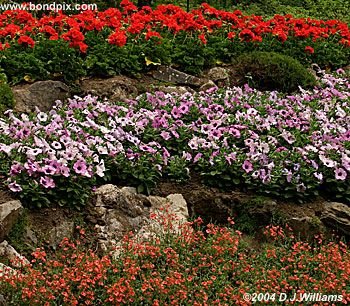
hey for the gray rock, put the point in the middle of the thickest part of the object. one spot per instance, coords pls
(2, 300)
(217, 74)
(117, 88)
(41, 94)
(171, 75)
(178, 207)
(8, 252)
(120, 211)
(262, 210)
(337, 216)
(180, 90)
(64, 230)
(30, 237)
(6, 270)
(306, 227)
(9, 213)
(130, 190)
(210, 84)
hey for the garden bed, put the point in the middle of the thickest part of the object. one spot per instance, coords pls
(129, 41)
(291, 146)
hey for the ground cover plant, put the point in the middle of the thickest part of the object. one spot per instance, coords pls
(140, 39)
(295, 146)
(273, 71)
(196, 265)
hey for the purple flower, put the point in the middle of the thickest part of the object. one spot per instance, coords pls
(247, 166)
(56, 145)
(47, 182)
(14, 187)
(176, 112)
(165, 135)
(197, 157)
(16, 168)
(42, 117)
(340, 174)
(80, 167)
(319, 176)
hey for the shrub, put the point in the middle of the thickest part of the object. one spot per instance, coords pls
(6, 96)
(273, 71)
(47, 60)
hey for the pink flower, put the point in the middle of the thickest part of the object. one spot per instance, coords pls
(340, 174)
(247, 166)
(47, 182)
(80, 167)
(14, 187)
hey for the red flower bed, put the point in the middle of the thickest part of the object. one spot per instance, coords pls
(208, 265)
(128, 21)
(120, 40)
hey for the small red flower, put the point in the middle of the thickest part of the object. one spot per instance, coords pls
(150, 34)
(26, 41)
(202, 38)
(231, 35)
(117, 38)
(247, 35)
(309, 50)
(4, 46)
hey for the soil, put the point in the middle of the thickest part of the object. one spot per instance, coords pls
(5, 196)
(194, 191)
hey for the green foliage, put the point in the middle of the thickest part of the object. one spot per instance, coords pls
(177, 169)
(273, 71)
(105, 60)
(16, 235)
(47, 60)
(192, 56)
(6, 95)
(60, 60)
(317, 9)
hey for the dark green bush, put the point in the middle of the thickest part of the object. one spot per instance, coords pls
(6, 96)
(47, 60)
(273, 71)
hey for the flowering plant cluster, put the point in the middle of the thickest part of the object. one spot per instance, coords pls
(199, 265)
(283, 145)
(167, 34)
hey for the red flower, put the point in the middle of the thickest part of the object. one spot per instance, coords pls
(345, 42)
(82, 46)
(4, 46)
(247, 35)
(202, 38)
(150, 34)
(128, 6)
(231, 35)
(117, 38)
(73, 35)
(26, 41)
(309, 50)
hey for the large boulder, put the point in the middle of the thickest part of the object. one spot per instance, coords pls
(217, 74)
(337, 216)
(171, 75)
(9, 213)
(41, 94)
(117, 88)
(8, 253)
(118, 211)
